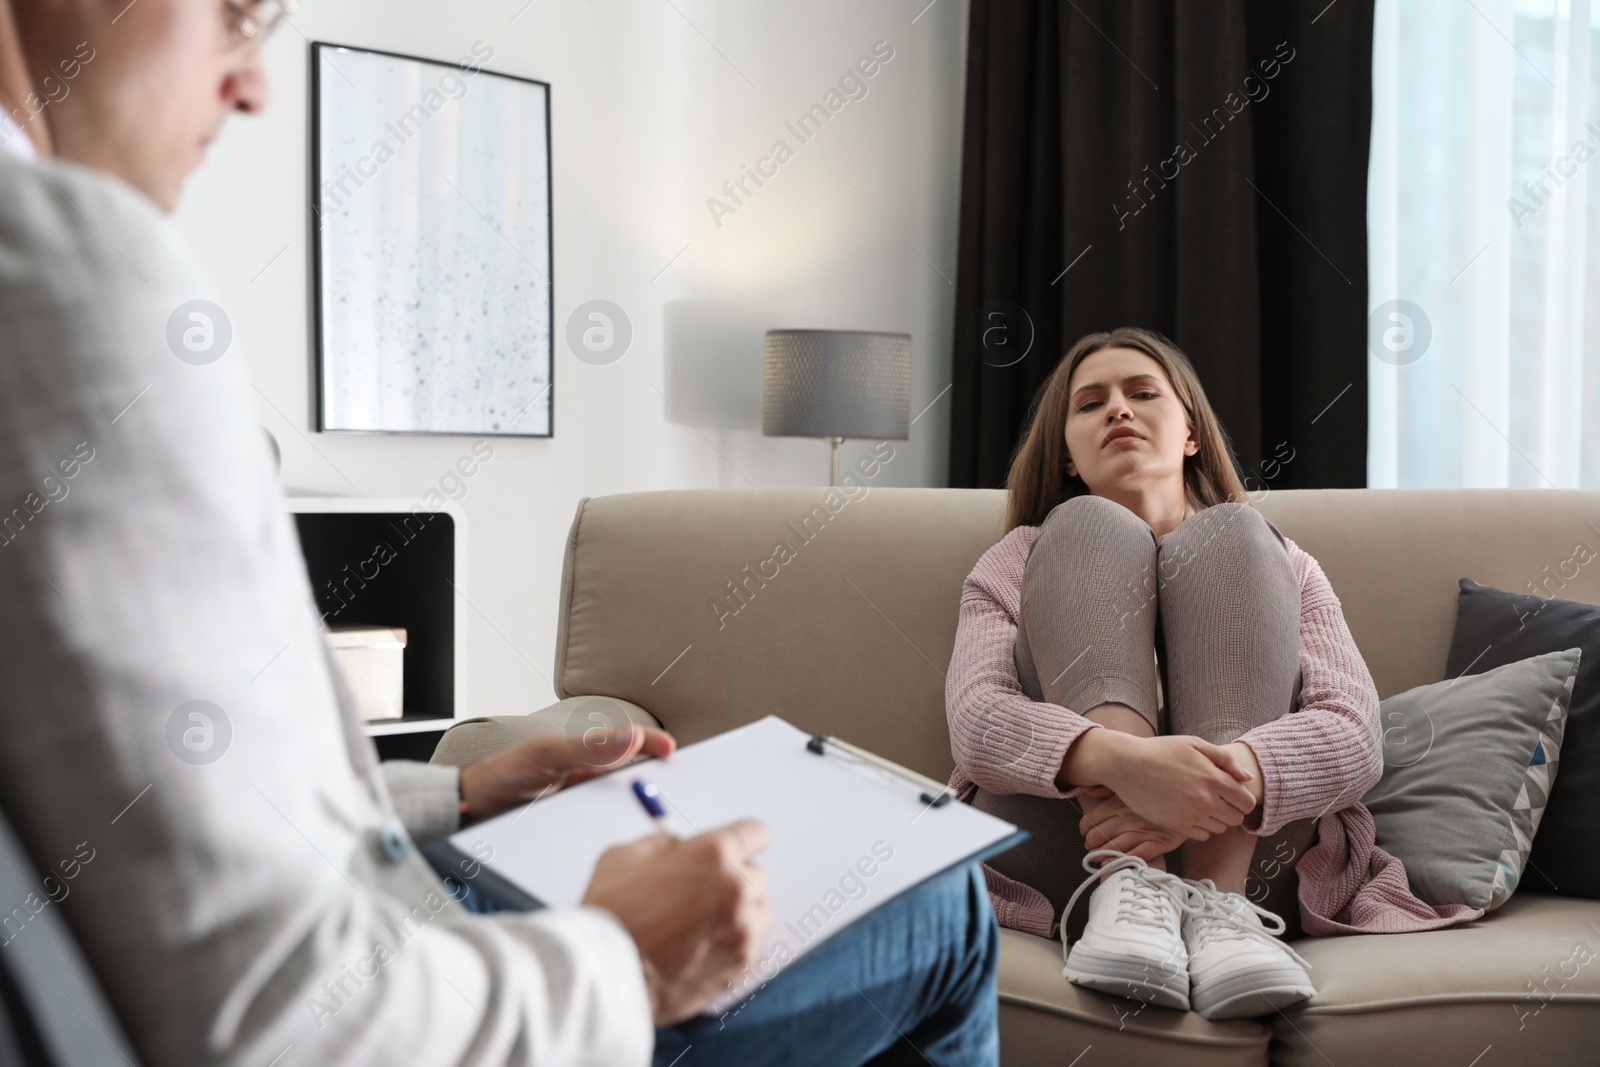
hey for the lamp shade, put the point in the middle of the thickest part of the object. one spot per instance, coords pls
(837, 383)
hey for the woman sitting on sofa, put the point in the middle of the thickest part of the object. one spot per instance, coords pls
(1136, 644)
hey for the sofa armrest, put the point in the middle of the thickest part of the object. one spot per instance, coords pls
(469, 740)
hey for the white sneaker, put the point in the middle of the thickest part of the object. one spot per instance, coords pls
(1237, 968)
(1133, 946)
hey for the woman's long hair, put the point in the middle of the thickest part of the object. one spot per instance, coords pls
(1038, 480)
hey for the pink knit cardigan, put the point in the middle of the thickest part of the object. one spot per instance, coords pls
(1316, 763)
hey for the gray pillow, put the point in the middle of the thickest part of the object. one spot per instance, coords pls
(1468, 764)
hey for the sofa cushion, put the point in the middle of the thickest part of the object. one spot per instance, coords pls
(1467, 768)
(1046, 1020)
(1525, 979)
(1495, 627)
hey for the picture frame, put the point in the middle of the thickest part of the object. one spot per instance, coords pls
(432, 245)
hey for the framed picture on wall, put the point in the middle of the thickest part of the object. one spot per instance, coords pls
(431, 225)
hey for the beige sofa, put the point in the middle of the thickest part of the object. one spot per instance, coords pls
(677, 608)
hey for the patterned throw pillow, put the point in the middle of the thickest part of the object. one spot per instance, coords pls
(1531, 800)
(1468, 765)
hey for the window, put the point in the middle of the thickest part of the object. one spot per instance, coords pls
(1483, 217)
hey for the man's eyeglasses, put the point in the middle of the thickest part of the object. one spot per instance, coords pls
(249, 23)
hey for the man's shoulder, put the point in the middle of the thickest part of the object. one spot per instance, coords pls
(47, 195)
(65, 228)
(91, 274)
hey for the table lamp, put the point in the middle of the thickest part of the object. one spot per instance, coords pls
(836, 384)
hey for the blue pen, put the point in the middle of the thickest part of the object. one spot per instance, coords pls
(652, 800)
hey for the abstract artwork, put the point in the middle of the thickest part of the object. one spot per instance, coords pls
(431, 219)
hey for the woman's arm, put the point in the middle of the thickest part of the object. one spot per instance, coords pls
(1328, 754)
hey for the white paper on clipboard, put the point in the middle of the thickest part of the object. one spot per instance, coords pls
(846, 837)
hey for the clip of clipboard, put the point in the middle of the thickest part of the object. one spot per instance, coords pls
(932, 793)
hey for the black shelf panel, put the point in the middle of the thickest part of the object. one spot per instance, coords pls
(418, 746)
(391, 569)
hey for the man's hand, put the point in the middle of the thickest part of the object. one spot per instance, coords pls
(1108, 822)
(696, 909)
(541, 765)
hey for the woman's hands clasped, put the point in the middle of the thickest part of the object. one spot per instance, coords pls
(1177, 784)
(1184, 783)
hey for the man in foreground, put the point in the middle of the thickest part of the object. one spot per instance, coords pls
(232, 908)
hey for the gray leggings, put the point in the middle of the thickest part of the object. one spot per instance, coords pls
(1216, 600)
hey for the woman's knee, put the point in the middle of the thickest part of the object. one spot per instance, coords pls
(1073, 521)
(1230, 529)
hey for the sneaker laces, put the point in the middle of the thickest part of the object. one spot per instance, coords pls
(1219, 918)
(1144, 892)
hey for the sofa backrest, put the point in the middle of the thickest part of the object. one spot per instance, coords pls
(712, 608)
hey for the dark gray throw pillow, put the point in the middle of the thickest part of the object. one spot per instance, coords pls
(1495, 627)
(1468, 764)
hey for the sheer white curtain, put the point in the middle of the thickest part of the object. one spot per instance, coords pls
(1483, 216)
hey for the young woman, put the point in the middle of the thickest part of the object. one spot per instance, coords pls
(1136, 644)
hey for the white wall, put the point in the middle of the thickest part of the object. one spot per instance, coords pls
(649, 117)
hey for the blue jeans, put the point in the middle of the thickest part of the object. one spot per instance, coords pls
(912, 983)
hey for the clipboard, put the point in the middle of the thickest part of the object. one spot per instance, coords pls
(851, 831)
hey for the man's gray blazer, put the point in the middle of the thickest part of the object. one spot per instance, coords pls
(264, 904)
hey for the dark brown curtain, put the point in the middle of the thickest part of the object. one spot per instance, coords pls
(1198, 167)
